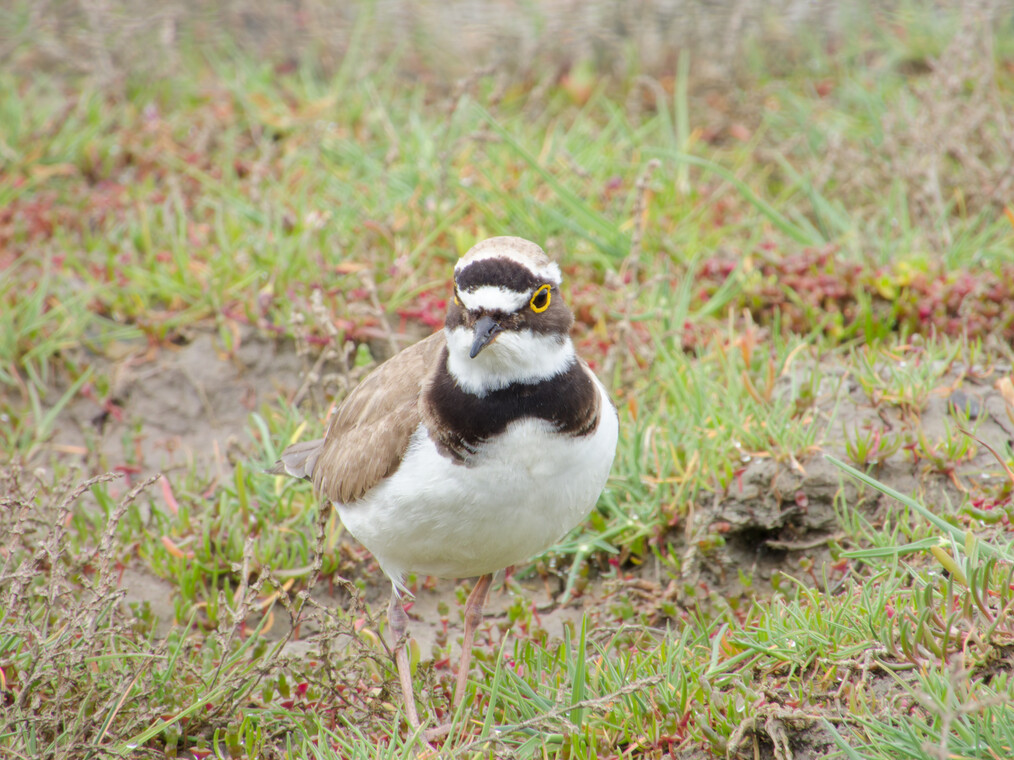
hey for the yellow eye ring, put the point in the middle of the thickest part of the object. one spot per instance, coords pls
(540, 299)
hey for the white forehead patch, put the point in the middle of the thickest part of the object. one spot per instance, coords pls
(518, 250)
(493, 298)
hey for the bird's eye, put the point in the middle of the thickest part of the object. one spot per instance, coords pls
(540, 299)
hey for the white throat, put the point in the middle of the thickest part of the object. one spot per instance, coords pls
(520, 356)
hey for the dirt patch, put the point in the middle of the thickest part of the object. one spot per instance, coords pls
(183, 405)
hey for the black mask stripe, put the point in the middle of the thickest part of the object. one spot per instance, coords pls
(499, 272)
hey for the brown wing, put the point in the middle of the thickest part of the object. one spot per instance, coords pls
(370, 431)
(298, 460)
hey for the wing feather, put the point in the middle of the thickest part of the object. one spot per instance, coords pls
(370, 431)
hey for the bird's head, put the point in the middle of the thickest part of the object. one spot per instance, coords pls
(507, 322)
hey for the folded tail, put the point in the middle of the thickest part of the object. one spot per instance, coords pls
(299, 459)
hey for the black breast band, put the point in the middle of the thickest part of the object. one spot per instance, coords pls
(462, 421)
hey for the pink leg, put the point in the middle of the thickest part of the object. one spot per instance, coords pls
(473, 616)
(398, 619)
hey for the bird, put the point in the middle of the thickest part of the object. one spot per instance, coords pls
(476, 448)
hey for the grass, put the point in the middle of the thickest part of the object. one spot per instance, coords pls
(809, 258)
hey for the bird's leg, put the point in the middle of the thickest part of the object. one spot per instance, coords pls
(473, 616)
(398, 619)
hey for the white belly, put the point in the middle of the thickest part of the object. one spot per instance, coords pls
(525, 490)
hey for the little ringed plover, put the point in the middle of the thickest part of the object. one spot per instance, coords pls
(474, 449)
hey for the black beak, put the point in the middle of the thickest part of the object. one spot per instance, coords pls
(486, 329)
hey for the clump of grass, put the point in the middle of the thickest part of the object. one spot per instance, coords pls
(903, 376)
(871, 445)
(81, 675)
(68, 652)
(952, 628)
